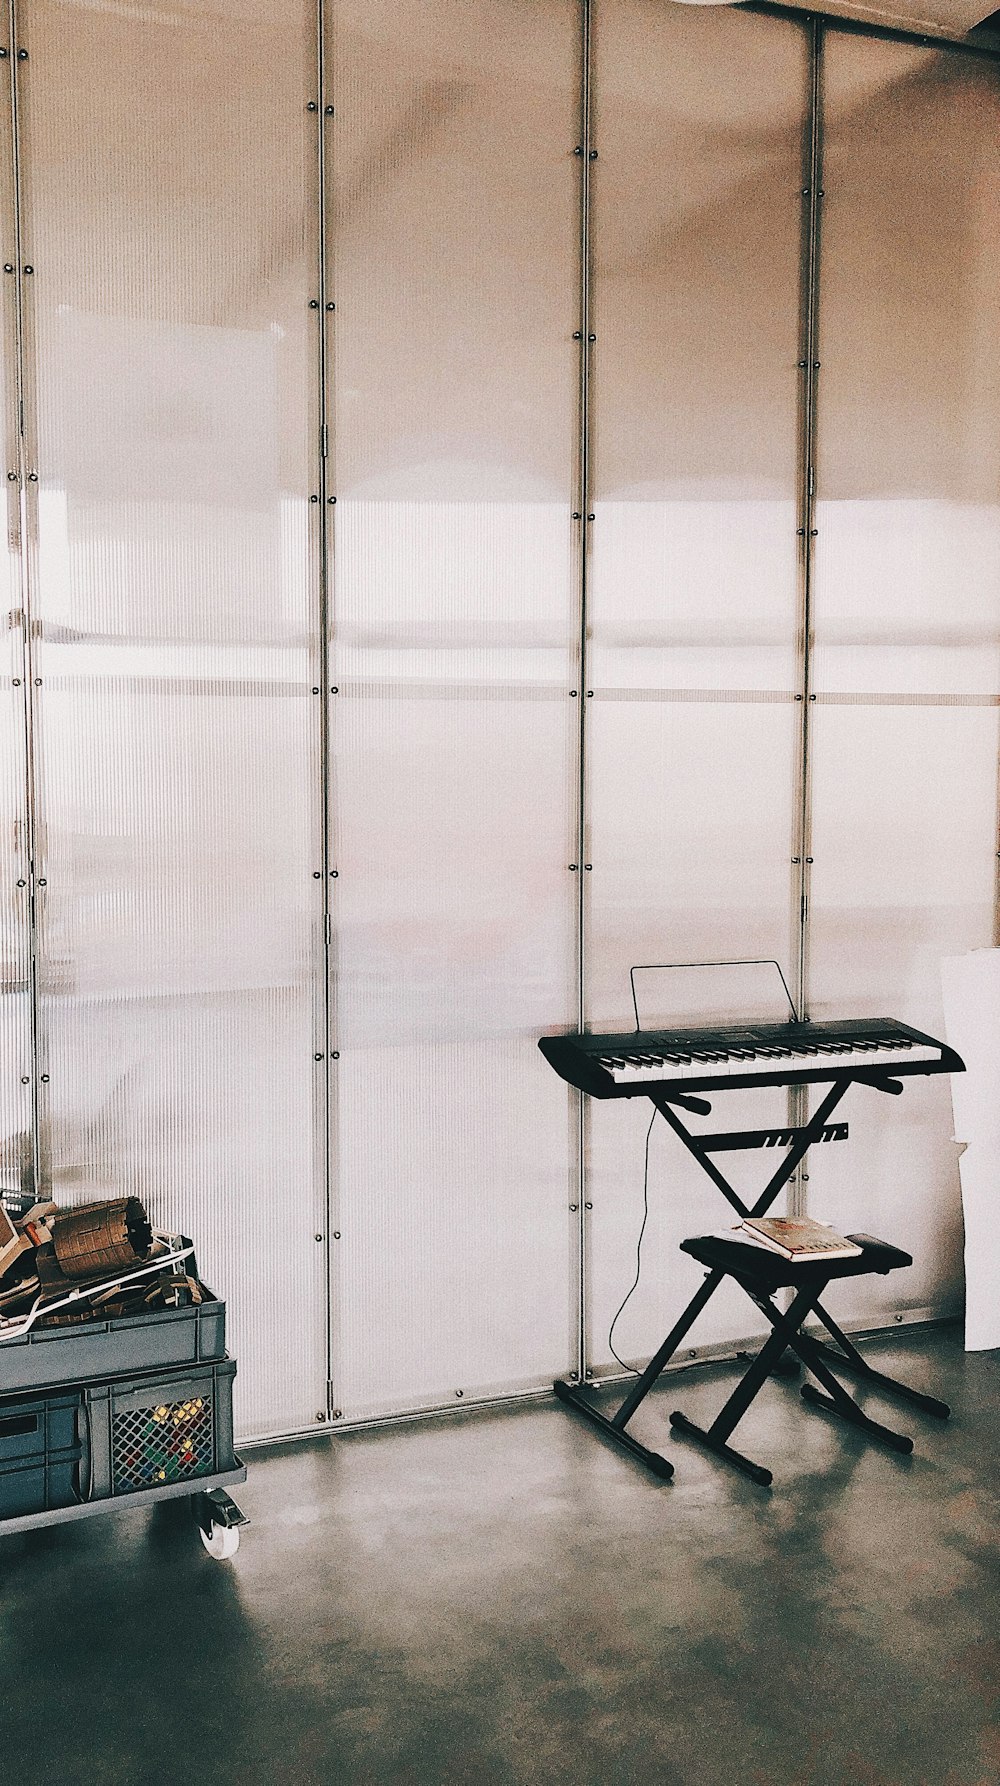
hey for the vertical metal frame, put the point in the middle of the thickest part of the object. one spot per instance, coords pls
(18, 472)
(584, 521)
(809, 368)
(324, 113)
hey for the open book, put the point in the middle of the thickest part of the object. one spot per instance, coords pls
(797, 1237)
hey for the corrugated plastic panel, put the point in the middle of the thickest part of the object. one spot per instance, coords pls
(453, 253)
(907, 610)
(170, 192)
(699, 121)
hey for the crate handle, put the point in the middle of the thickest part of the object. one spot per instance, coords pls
(18, 1423)
(85, 1468)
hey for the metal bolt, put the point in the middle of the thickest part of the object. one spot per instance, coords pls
(3, 54)
(12, 477)
(812, 697)
(591, 517)
(335, 690)
(331, 499)
(573, 867)
(336, 1054)
(822, 192)
(588, 1374)
(24, 1079)
(317, 1057)
(312, 106)
(22, 55)
(43, 882)
(315, 691)
(576, 516)
(796, 858)
(574, 1207)
(22, 883)
(328, 111)
(32, 477)
(314, 499)
(808, 858)
(588, 1206)
(317, 874)
(336, 1233)
(591, 337)
(577, 334)
(798, 697)
(460, 1393)
(593, 155)
(7, 267)
(317, 1236)
(692, 1353)
(29, 269)
(578, 150)
(45, 1079)
(334, 873)
(806, 191)
(801, 532)
(816, 365)
(17, 681)
(805, 1178)
(331, 306)
(590, 694)
(574, 1376)
(314, 303)
(813, 532)
(573, 693)
(803, 363)
(322, 1414)
(338, 1413)
(897, 1317)
(587, 867)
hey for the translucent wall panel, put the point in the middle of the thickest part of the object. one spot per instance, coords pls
(15, 1042)
(907, 606)
(170, 163)
(453, 249)
(699, 119)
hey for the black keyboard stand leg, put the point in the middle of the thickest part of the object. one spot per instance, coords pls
(716, 1437)
(613, 1426)
(576, 1399)
(845, 1356)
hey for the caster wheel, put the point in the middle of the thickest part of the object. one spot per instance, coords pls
(221, 1541)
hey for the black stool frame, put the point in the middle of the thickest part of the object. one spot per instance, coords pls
(843, 1354)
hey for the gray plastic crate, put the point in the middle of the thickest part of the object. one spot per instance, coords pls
(39, 1455)
(46, 1357)
(167, 1429)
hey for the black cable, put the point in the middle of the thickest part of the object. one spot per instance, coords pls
(638, 1255)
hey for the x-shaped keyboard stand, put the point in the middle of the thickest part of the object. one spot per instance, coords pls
(843, 1355)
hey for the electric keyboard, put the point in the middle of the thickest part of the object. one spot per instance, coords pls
(639, 1061)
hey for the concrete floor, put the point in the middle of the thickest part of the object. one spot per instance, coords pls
(492, 1599)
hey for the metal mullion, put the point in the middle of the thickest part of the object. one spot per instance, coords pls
(29, 704)
(585, 153)
(812, 194)
(870, 28)
(323, 677)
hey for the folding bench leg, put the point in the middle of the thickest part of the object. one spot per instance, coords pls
(718, 1433)
(848, 1358)
(837, 1401)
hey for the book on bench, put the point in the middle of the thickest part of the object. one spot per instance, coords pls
(798, 1237)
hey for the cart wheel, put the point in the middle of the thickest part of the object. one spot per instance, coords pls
(220, 1541)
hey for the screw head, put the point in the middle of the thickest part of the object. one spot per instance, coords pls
(12, 477)
(24, 1079)
(317, 1057)
(577, 334)
(317, 1236)
(22, 55)
(328, 111)
(331, 499)
(43, 882)
(331, 306)
(22, 883)
(312, 106)
(336, 1054)
(45, 1079)
(460, 1393)
(335, 690)
(321, 1415)
(29, 269)
(334, 873)
(7, 267)
(314, 499)
(317, 874)
(336, 1233)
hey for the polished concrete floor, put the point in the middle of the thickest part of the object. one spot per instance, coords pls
(498, 1598)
